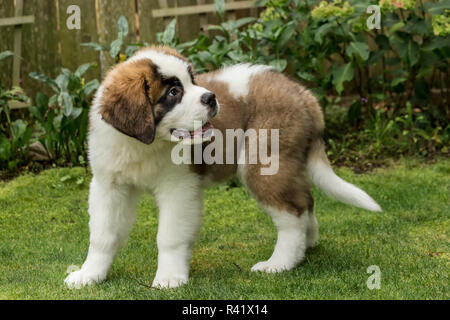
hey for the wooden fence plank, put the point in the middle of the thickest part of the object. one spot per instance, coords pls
(72, 53)
(6, 43)
(40, 44)
(164, 4)
(188, 26)
(148, 25)
(18, 11)
(203, 17)
(189, 10)
(231, 15)
(16, 21)
(108, 12)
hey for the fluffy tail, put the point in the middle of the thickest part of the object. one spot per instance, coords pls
(323, 176)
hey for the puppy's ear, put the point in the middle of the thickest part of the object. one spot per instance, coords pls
(130, 92)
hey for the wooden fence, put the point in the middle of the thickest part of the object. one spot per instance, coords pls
(46, 44)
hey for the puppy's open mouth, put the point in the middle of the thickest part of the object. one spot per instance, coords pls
(198, 135)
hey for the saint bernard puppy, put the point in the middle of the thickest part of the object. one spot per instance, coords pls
(136, 110)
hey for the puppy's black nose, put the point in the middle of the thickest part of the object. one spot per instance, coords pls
(209, 100)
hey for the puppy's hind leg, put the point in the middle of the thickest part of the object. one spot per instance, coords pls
(112, 212)
(291, 241)
(285, 196)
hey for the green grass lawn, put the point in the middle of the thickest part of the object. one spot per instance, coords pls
(44, 230)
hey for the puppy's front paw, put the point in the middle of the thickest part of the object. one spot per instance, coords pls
(169, 281)
(81, 278)
(271, 266)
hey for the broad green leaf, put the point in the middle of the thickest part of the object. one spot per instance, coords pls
(243, 21)
(220, 8)
(95, 46)
(53, 100)
(435, 8)
(41, 100)
(76, 113)
(424, 71)
(237, 57)
(279, 64)
(131, 50)
(397, 81)
(342, 74)
(57, 121)
(322, 31)
(5, 148)
(65, 101)
(82, 69)
(395, 28)
(400, 45)
(45, 79)
(62, 81)
(90, 87)
(5, 54)
(306, 76)
(18, 127)
(122, 25)
(34, 111)
(116, 45)
(434, 43)
(413, 52)
(287, 35)
(360, 49)
(188, 44)
(66, 72)
(169, 32)
(417, 26)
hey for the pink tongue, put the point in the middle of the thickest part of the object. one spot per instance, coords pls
(206, 127)
(186, 134)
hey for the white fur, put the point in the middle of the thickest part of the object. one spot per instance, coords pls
(122, 168)
(291, 242)
(180, 212)
(323, 176)
(238, 76)
(112, 210)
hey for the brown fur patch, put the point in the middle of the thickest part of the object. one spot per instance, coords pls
(130, 91)
(273, 102)
(172, 52)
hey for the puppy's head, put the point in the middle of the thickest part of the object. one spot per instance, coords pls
(154, 95)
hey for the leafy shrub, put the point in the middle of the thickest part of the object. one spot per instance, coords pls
(15, 135)
(329, 46)
(325, 44)
(116, 47)
(63, 117)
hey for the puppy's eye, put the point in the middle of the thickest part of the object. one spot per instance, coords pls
(173, 92)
